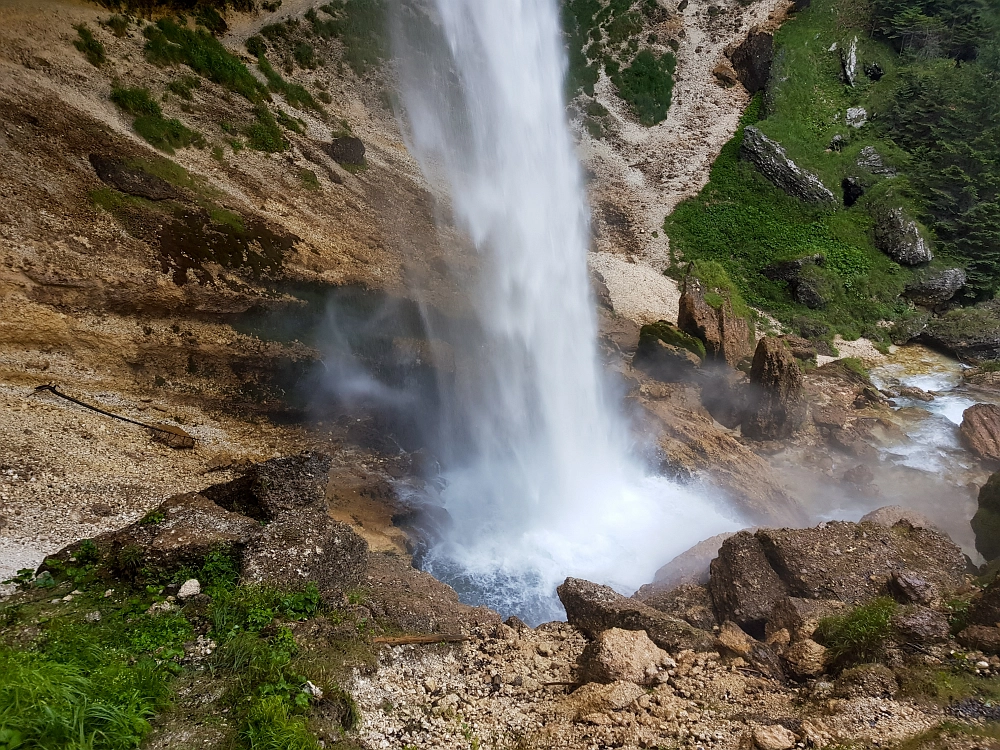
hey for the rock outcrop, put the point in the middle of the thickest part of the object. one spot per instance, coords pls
(689, 602)
(743, 585)
(774, 403)
(752, 58)
(594, 608)
(667, 353)
(346, 150)
(980, 431)
(986, 522)
(624, 655)
(774, 163)
(726, 336)
(899, 237)
(937, 287)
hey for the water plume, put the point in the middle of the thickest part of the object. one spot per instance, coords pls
(538, 478)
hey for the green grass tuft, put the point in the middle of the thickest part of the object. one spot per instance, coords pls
(184, 86)
(309, 179)
(90, 46)
(296, 95)
(861, 634)
(263, 134)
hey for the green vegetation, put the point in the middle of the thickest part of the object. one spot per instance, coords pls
(309, 179)
(646, 84)
(668, 333)
(933, 99)
(165, 134)
(295, 94)
(183, 86)
(305, 55)
(360, 26)
(256, 46)
(90, 46)
(118, 25)
(263, 134)
(169, 43)
(859, 635)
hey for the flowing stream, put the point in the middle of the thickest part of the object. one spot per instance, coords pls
(538, 480)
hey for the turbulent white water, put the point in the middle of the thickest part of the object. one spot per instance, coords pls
(538, 480)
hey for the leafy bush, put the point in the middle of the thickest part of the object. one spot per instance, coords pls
(647, 85)
(305, 55)
(256, 46)
(170, 44)
(91, 47)
(861, 634)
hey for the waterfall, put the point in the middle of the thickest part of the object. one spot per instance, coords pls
(538, 478)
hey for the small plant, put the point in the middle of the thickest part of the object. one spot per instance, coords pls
(184, 86)
(152, 518)
(256, 46)
(264, 134)
(92, 49)
(860, 635)
(305, 55)
(324, 97)
(309, 179)
(87, 553)
(135, 101)
(118, 25)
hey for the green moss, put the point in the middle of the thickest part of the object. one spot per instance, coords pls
(861, 634)
(668, 333)
(647, 85)
(227, 219)
(90, 46)
(718, 286)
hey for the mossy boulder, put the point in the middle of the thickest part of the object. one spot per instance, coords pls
(668, 333)
(667, 353)
(986, 522)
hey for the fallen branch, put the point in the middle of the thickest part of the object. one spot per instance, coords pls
(406, 640)
(173, 437)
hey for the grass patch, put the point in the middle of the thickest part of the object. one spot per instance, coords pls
(647, 85)
(184, 86)
(136, 101)
(860, 635)
(165, 134)
(361, 27)
(296, 95)
(305, 55)
(744, 223)
(90, 46)
(263, 134)
(168, 43)
(309, 179)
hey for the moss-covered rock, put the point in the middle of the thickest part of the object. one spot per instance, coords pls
(668, 333)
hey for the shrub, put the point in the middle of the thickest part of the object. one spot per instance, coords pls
(647, 85)
(308, 179)
(92, 49)
(256, 46)
(118, 25)
(305, 55)
(296, 95)
(136, 101)
(861, 634)
(167, 135)
(183, 86)
(263, 134)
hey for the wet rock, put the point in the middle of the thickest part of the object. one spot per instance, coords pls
(752, 59)
(689, 602)
(125, 179)
(937, 287)
(805, 658)
(921, 625)
(773, 162)
(981, 638)
(890, 515)
(306, 546)
(986, 609)
(980, 431)
(273, 488)
(623, 655)
(860, 477)
(691, 566)
(347, 150)
(871, 160)
(986, 522)
(909, 588)
(851, 562)
(970, 333)
(775, 408)
(899, 237)
(594, 608)
(667, 353)
(774, 737)
(866, 681)
(726, 336)
(854, 188)
(176, 534)
(800, 617)
(743, 585)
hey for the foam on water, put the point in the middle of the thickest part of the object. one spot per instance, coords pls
(539, 481)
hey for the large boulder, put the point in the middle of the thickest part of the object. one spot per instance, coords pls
(980, 431)
(132, 181)
(743, 585)
(805, 658)
(626, 655)
(667, 353)
(986, 609)
(178, 533)
(690, 566)
(890, 515)
(594, 608)
(689, 602)
(937, 287)
(970, 333)
(775, 408)
(899, 237)
(273, 488)
(981, 638)
(308, 546)
(346, 150)
(773, 162)
(726, 336)
(752, 59)
(986, 522)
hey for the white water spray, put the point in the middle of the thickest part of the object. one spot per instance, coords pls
(539, 482)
